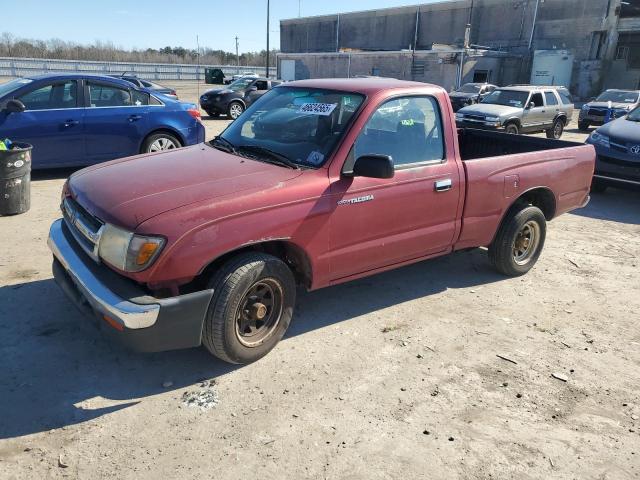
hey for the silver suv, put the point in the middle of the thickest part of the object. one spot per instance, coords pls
(521, 109)
(617, 102)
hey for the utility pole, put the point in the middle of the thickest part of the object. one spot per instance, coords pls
(299, 8)
(267, 68)
(198, 65)
(237, 57)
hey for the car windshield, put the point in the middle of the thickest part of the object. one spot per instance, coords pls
(634, 115)
(302, 125)
(618, 96)
(240, 84)
(9, 87)
(510, 98)
(469, 88)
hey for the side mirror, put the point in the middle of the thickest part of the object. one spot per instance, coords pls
(14, 106)
(252, 89)
(374, 166)
(531, 105)
(592, 99)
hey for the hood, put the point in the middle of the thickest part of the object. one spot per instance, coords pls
(462, 95)
(622, 131)
(128, 191)
(216, 91)
(613, 105)
(489, 109)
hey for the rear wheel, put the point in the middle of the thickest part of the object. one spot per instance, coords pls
(160, 142)
(556, 129)
(252, 305)
(235, 110)
(583, 126)
(512, 128)
(519, 241)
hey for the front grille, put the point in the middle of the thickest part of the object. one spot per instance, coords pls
(596, 112)
(86, 228)
(479, 118)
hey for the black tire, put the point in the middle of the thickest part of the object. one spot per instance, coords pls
(556, 129)
(597, 186)
(502, 252)
(512, 128)
(232, 284)
(583, 126)
(235, 109)
(158, 139)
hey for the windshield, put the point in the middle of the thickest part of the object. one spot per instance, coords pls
(469, 88)
(9, 87)
(617, 96)
(302, 124)
(634, 115)
(240, 84)
(510, 98)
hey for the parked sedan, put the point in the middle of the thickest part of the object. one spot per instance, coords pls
(618, 147)
(75, 119)
(235, 98)
(154, 87)
(470, 93)
(610, 103)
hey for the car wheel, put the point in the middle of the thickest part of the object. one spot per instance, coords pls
(556, 129)
(160, 142)
(235, 110)
(597, 186)
(519, 241)
(583, 126)
(512, 128)
(252, 305)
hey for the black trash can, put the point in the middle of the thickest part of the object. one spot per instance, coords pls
(15, 179)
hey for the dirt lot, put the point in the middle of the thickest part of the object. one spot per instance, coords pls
(393, 376)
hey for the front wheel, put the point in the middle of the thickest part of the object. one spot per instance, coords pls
(583, 126)
(556, 129)
(512, 128)
(235, 110)
(160, 142)
(519, 241)
(252, 305)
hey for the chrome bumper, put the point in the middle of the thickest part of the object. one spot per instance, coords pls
(95, 292)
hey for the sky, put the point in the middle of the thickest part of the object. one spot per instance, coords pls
(158, 23)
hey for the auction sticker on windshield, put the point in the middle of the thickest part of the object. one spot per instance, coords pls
(323, 109)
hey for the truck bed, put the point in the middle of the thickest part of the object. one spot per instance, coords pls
(500, 168)
(475, 144)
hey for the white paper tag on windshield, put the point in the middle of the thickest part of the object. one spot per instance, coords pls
(323, 109)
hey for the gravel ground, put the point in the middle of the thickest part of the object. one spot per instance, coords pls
(443, 369)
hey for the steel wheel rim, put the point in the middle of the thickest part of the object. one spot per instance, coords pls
(235, 110)
(557, 131)
(162, 144)
(259, 312)
(525, 245)
(511, 129)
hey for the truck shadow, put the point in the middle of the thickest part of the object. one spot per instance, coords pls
(59, 370)
(616, 205)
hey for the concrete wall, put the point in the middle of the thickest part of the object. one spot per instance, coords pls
(505, 25)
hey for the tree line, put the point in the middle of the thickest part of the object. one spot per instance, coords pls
(11, 46)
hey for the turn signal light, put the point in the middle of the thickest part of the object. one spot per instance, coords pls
(146, 252)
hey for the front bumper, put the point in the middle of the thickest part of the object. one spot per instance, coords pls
(140, 321)
(616, 168)
(480, 125)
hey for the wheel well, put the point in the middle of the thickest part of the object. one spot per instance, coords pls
(562, 117)
(543, 198)
(162, 130)
(512, 120)
(294, 256)
(238, 100)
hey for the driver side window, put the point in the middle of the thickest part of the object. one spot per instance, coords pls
(408, 129)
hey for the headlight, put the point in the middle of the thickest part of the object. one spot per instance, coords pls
(492, 119)
(585, 106)
(600, 139)
(127, 251)
(459, 116)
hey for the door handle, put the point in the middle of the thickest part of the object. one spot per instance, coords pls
(443, 185)
(71, 123)
(133, 118)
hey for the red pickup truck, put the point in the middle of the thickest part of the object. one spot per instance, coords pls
(317, 183)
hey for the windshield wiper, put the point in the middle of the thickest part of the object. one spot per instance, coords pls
(224, 144)
(272, 156)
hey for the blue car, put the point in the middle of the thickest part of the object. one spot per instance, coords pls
(76, 120)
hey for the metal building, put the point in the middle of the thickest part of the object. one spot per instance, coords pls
(595, 43)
